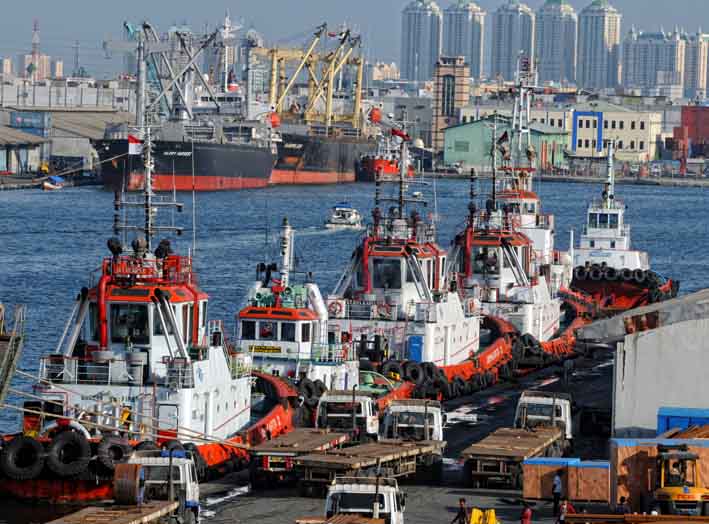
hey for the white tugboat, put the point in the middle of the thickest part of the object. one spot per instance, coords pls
(344, 216)
(284, 326)
(606, 266)
(395, 300)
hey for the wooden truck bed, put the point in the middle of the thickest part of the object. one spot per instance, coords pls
(143, 514)
(513, 444)
(300, 441)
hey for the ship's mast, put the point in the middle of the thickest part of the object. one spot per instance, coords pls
(610, 184)
(286, 252)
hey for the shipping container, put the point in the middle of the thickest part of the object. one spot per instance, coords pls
(31, 119)
(680, 418)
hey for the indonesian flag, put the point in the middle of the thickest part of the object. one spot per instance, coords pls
(135, 145)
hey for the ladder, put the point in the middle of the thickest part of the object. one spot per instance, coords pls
(10, 349)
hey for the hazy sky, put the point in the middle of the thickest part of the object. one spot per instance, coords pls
(62, 22)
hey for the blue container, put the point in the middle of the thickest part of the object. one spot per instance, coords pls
(416, 348)
(553, 461)
(681, 418)
(30, 119)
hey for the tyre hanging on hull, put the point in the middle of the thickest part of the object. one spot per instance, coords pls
(22, 458)
(580, 273)
(112, 451)
(68, 454)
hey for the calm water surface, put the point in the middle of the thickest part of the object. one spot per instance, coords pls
(51, 242)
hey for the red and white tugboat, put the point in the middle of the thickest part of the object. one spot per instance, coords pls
(138, 365)
(396, 300)
(385, 163)
(284, 326)
(606, 267)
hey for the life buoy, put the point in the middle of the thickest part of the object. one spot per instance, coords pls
(334, 309)
(112, 451)
(22, 458)
(68, 454)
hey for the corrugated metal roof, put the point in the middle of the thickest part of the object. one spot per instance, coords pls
(87, 124)
(10, 136)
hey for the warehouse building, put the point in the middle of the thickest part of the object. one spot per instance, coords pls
(469, 144)
(20, 152)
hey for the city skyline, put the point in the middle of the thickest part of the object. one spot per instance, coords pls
(381, 33)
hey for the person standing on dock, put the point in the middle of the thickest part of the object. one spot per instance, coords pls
(565, 509)
(556, 491)
(463, 515)
(526, 516)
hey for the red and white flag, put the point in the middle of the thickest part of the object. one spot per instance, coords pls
(135, 145)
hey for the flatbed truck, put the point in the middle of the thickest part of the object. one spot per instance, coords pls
(274, 460)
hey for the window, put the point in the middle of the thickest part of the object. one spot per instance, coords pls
(187, 318)
(613, 220)
(580, 143)
(288, 331)
(612, 244)
(485, 261)
(543, 121)
(461, 146)
(587, 143)
(248, 329)
(593, 220)
(157, 325)
(448, 96)
(613, 124)
(305, 332)
(632, 124)
(93, 321)
(641, 145)
(603, 220)
(620, 144)
(551, 122)
(267, 330)
(387, 273)
(592, 243)
(621, 124)
(632, 144)
(129, 321)
(204, 314)
(588, 124)
(642, 125)
(605, 124)
(594, 144)
(595, 124)
(560, 125)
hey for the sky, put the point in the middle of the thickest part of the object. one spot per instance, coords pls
(286, 22)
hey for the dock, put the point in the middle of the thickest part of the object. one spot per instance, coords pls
(143, 514)
(10, 347)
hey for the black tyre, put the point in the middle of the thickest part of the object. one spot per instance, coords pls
(458, 386)
(306, 388)
(147, 445)
(199, 463)
(626, 274)
(444, 387)
(22, 458)
(392, 366)
(580, 273)
(639, 276)
(414, 372)
(112, 451)
(429, 369)
(610, 274)
(596, 273)
(68, 454)
(320, 388)
(174, 445)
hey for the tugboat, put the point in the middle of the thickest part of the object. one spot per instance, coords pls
(138, 366)
(385, 162)
(395, 300)
(284, 326)
(344, 216)
(616, 276)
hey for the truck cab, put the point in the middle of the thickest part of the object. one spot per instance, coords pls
(413, 420)
(678, 486)
(545, 409)
(157, 467)
(374, 498)
(349, 411)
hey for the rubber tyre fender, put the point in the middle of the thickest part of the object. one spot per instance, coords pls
(22, 458)
(414, 372)
(490, 378)
(639, 276)
(112, 451)
(68, 454)
(392, 366)
(174, 445)
(307, 389)
(366, 365)
(147, 445)
(610, 274)
(459, 386)
(596, 273)
(626, 274)
(429, 369)
(444, 387)
(518, 351)
(320, 388)
(580, 273)
(531, 343)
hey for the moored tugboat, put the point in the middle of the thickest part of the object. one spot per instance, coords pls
(139, 366)
(617, 277)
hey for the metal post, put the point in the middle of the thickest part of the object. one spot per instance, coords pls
(148, 186)
(354, 409)
(140, 103)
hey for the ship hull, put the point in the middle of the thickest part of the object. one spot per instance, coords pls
(182, 166)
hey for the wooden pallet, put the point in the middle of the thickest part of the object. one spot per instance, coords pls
(143, 514)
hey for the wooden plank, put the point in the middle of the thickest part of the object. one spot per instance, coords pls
(119, 514)
(513, 443)
(633, 518)
(301, 440)
(366, 455)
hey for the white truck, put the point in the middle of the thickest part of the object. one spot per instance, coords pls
(546, 409)
(350, 411)
(413, 419)
(375, 498)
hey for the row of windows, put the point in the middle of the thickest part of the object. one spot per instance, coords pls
(272, 330)
(608, 124)
(559, 121)
(581, 143)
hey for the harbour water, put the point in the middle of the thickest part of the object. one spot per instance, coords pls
(50, 242)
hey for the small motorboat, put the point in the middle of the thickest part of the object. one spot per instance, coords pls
(53, 183)
(344, 216)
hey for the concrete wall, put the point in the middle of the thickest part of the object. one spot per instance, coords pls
(60, 96)
(667, 366)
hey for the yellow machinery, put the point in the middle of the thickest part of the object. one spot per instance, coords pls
(678, 486)
(321, 70)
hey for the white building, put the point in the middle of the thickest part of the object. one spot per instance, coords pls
(464, 34)
(598, 46)
(421, 39)
(512, 35)
(555, 42)
(696, 58)
(653, 62)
